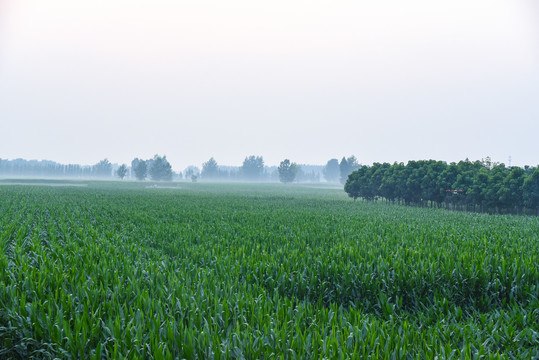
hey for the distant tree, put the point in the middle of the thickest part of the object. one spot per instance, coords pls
(160, 169)
(480, 185)
(494, 187)
(467, 171)
(287, 171)
(140, 168)
(122, 171)
(378, 172)
(331, 171)
(210, 169)
(343, 168)
(511, 192)
(388, 187)
(306, 175)
(531, 191)
(347, 166)
(431, 189)
(476, 192)
(103, 168)
(528, 169)
(252, 168)
(190, 171)
(356, 182)
(43, 168)
(488, 163)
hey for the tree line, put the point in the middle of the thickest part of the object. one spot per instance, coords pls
(253, 169)
(474, 186)
(336, 171)
(158, 168)
(46, 168)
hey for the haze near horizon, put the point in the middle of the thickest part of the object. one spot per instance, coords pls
(308, 81)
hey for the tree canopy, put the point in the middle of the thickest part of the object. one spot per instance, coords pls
(140, 168)
(332, 171)
(252, 168)
(347, 166)
(103, 168)
(481, 186)
(210, 170)
(160, 169)
(287, 171)
(122, 171)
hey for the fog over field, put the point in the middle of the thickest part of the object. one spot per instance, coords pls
(284, 179)
(81, 81)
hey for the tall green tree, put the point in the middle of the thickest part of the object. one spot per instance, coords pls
(511, 192)
(287, 171)
(331, 171)
(377, 177)
(139, 168)
(476, 193)
(467, 173)
(388, 186)
(417, 172)
(347, 166)
(494, 186)
(530, 190)
(210, 170)
(160, 169)
(122, 171)
(431, 188)
(252, 168)
(103, 168)
(480, 185)
(356, 183)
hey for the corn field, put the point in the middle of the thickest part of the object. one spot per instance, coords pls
(232, 271)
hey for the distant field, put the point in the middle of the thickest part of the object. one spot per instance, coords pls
(258, 271)
(43, 182)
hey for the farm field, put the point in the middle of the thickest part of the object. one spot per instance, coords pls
(110, 270)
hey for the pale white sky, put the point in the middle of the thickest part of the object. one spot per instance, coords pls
(82, 80)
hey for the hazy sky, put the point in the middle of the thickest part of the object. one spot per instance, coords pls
(81, 80)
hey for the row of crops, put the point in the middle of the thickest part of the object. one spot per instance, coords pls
(259, 271)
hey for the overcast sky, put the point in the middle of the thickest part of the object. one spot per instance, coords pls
(81, 80)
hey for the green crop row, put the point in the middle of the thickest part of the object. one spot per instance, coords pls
(259, 272)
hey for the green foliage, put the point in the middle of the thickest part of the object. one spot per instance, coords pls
(477, 186)
(531, 190)
(160, 169)
(118, 270)
(287, 171)
(140, 168)
(252, 168)
(210, 170)
(192, 172)
(347, 166)
(331, 171)
(43, 168)
(102, 169)
(122, 171)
